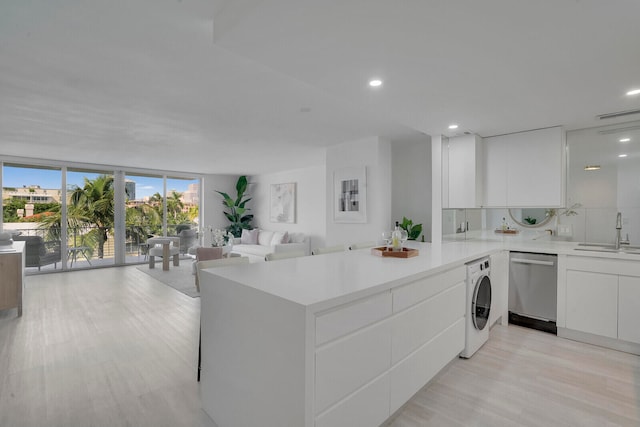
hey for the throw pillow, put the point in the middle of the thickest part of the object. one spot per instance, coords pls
(285, 238)
(277, 238)
(264, 238)
(249, 237)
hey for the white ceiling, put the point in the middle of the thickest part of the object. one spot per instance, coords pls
(149, 83)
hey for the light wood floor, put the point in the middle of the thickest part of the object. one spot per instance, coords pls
(115, 347)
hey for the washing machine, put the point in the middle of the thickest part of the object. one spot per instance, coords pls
(478, 306)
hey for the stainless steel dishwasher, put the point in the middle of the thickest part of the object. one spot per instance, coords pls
(533, 284)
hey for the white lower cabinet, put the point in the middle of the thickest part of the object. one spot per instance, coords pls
(418, 325)
(344, 366)
(411, 374)
(628, 312)
(602, 299)
(592, 303)
(368, 407)
(370, 359)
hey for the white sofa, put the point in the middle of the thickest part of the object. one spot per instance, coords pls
(267, 242)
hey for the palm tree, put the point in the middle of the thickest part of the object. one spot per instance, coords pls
(174, 207)
(94, 204)
(141, 221)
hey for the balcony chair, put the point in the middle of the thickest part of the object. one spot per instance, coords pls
(39, 253)
(188, 238)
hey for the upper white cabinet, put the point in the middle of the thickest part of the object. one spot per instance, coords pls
(525, 169)
(462, 172)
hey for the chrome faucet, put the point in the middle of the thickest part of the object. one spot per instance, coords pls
(618, 229)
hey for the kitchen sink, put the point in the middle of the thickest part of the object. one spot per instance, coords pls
(606, 247)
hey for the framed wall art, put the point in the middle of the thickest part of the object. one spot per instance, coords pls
(350, 195)
(283, 203)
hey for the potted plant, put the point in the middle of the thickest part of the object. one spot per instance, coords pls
(413, 231)
(237, 209)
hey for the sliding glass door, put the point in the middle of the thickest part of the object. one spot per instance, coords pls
(143, 211)
(32, 212)
(90, 218)
(76, 217)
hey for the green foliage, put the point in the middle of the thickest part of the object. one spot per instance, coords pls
(413, 231)
(236, 208)
(11, 206)
(530, 220)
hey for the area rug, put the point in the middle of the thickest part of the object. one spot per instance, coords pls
(179, 278)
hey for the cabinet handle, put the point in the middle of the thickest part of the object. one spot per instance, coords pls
(532, 261)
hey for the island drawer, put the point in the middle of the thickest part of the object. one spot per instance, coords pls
(345, 365)
(351, 317)
(368, 407)
(414, 292)
(420, 323)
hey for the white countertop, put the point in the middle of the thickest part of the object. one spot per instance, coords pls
(349, 275)
(325, 280)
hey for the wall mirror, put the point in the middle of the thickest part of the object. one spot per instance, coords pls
(531, 217)
(604, 178)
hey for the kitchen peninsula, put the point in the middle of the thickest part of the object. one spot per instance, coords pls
(330, 340)
(345, 338)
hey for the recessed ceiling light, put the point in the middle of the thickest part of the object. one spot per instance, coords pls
(624, 139)
(453, 126)
(634, 92)
(375, 83)
(592, 167)
(622, 155)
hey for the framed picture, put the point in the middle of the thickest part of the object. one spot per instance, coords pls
(283, 203)
(350, 195)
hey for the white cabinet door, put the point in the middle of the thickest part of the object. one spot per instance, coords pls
(535, 171)
(629, 309)
(495, 171)
(592, 303)
(465, 172)
(525, 169)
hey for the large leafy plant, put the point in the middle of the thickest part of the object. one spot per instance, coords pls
(236, 208)
(413, 231)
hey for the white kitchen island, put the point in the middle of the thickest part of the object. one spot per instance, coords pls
(342, 339)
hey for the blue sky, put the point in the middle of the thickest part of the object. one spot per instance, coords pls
(47, 178)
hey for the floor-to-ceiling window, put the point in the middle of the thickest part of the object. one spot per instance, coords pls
(183, 210)
(42, 203)
(32, 212)
(90, 218)
(143, 211)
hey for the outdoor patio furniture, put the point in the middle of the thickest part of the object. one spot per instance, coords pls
(39, 253)
(188, 238)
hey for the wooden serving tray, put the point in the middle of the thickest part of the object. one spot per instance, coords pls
(383, 251)
(507, 231)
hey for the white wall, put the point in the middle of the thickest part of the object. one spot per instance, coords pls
(411, 182)
(374, 154)
(310, 202)
(211, 205)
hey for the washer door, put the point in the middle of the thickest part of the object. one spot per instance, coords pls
(481, 302)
